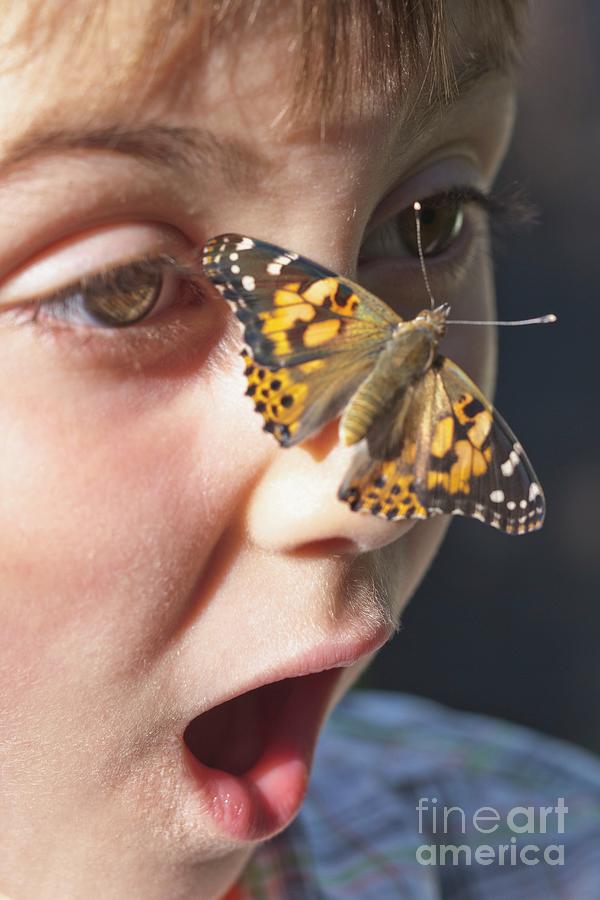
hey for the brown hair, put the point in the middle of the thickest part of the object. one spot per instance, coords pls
(392, 41)
(385, 44)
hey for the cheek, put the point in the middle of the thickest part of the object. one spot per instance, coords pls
(113, 494)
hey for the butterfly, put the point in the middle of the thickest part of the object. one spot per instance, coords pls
(320, 346)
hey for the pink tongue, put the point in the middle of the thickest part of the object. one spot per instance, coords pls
(232, 736)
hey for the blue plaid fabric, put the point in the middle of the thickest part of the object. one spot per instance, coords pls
(382, 755)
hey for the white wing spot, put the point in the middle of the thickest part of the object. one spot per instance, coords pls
(274, 268)
(245, 244)
(283, 260)
(509, 466)
(235, 270)
(497, 496)
(511, 505)
(523, 504)
(534, 491)
(248, 282)
(234, 256)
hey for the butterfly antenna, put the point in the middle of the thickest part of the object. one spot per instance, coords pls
(539, 320)
(417, 209)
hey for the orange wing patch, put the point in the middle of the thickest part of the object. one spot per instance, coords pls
(307, 314)
(288, 295)
(469, 462)
(478, 419)
(279, 396)
(460, 448)
(326, 293)
(387, 488)
(443, 436)
(321, 332)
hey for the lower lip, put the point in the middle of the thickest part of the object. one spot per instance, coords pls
(261, 801)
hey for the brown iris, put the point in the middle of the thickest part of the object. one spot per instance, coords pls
(123, 299)
(441, 223)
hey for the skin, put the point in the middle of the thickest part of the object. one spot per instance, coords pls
(150, 531)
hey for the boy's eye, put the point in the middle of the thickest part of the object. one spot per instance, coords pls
(112, 300)
(85, 283)
(124, 297)
(442, 222)
(440, 225)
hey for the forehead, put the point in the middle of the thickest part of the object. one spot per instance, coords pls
(333, 52)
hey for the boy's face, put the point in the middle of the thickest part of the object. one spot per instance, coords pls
(160, 553)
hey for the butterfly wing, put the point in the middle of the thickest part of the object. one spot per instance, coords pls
(457, 456)
(297, 401)
(312, 335)
(492, 479)
(292, 309)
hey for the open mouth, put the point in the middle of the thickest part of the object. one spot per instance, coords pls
(232, 736)
(252, 754)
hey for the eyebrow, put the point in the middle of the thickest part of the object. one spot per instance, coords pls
(190, 150)
(184, 149)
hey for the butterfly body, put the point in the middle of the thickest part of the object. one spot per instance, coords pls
(320, 346)
(401, 363)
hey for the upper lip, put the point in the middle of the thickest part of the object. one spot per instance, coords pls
(342, 652)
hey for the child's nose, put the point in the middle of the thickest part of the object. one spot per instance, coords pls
(294, 507)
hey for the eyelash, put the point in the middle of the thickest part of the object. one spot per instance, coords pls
(504, 209)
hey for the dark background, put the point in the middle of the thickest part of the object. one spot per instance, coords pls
(511, 626)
